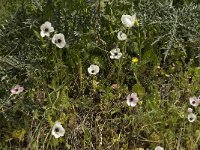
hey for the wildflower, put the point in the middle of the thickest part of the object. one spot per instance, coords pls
(191, 117)
(128, 20)
(189, 110)
(132, 99)
(46, 29)
(93, 69)
(115, 53)
(58, 130)
(136, 22)
(134, 59)
(17, 89)
(59, 40)
(159, 148)
(194, 101)
(121, 36)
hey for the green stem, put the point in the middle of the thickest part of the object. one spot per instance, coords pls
(80, 75)
(139, 43)
(136, 78)
(121, 61)
(119, 72)
(128, 32)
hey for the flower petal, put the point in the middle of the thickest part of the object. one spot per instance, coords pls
(159, 148)
(133, 94)
(133, 104)
(42, 33)
(128, 103)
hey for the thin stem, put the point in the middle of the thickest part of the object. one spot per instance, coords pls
(139, 43)
(121, 61)
(136, 78)
(119, 72)
(81, 75)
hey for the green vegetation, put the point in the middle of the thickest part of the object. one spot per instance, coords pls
(160, 62)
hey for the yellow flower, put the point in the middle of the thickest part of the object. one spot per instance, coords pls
(134, 59)
(136, 22)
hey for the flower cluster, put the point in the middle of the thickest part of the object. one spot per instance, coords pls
(194, 101)
(128, 21)
(58, 39)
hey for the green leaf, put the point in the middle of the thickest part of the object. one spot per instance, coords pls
(18, 133)
(37, 35)
(149, 56)
(139, 89)
(136, 47)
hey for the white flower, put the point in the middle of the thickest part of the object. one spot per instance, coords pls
(115, 53)
(93, 69)
(121, 36)
(190, 110)
(128, 20)
(58, 130)
(46, 29)
(17, 89)
(194, 101)
(132, 99)
(59, 40)
(191, 117)
(159, 148)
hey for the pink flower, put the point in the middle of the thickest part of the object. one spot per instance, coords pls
(17, 89)
(190, 110)
(132, 99)
(194, 101)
